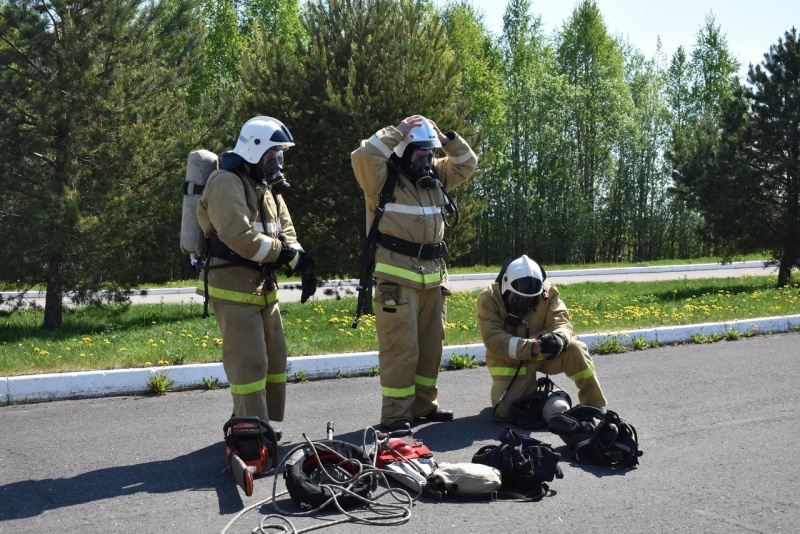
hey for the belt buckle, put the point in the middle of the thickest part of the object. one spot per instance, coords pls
(419, 252)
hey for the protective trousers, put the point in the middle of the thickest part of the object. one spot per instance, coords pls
(254, 355)
(575, 362)
(410, 327)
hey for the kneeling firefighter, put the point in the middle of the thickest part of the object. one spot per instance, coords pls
(525, 327)
(250, 235)
(407, 201)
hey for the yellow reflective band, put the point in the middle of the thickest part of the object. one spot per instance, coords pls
(246, 389)
(425, 381)
(276, 379)
(586, 373)
(507, 371)
(398, 392)
(406, 274)
(236, 296)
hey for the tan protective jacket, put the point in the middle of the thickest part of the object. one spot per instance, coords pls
(506, 346)
(229, 206)
(415, 214)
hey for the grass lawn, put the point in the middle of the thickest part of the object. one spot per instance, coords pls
(158, 334)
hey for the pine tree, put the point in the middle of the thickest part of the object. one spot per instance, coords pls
(94, 120)
(743, 173)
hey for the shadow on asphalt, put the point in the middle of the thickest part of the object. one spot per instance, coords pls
(199, 470)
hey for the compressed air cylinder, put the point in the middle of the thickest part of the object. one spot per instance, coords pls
(553, 405)
(199, 167)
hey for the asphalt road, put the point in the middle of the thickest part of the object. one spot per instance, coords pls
(718, 424)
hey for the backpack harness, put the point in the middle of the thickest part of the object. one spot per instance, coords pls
(597, 436)
(215, 248)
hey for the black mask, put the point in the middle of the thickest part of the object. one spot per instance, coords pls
(420, 170)
(513, 320)
(272, 174)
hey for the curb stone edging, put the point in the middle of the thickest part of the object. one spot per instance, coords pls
(92, 384)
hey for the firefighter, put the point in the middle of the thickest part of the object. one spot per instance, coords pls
(409, 268)
(250, 235)
(526, 328)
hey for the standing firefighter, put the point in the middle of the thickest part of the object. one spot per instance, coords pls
(250, 235)
(526, 328)
(398, 164)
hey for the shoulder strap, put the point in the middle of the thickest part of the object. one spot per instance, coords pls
(368, 252)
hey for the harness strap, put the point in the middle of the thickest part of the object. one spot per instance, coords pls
(367, 260)
(217, 249)
(422, 251)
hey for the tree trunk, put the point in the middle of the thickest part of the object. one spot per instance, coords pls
(54, 299)
(785, 270)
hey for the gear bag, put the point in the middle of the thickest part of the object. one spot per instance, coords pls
(525, 464)
(532, 412)
(199, 167)
(597, 436)
(330, 470)
(463, 481)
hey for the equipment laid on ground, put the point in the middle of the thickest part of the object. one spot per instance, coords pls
(323, 472)
(525, 464)
(535, 410)
(597, 436)
(405, 459)
(251, 448)
(199, 167)
(464, 481)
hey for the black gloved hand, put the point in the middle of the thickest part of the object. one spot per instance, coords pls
(308, 279)
(552, 344)
(287, 256)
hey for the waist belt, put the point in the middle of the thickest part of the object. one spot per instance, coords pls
(421, 251)
(220, 250)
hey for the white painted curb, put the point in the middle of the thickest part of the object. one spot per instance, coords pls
(39, 388)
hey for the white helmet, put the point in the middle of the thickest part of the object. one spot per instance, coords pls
(521, 282)
(258, 135)
(423, 135)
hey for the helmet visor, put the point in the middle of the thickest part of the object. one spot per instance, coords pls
(528, 286)
(518, 304)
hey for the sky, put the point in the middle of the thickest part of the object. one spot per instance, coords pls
(750, 26)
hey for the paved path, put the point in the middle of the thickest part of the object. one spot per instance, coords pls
(290, 292)
(718, 424)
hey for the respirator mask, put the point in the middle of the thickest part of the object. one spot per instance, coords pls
(272, 173)
(517, 305)
(421, 169)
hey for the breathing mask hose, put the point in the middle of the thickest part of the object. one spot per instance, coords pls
(450, 208)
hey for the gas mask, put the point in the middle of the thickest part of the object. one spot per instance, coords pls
(421, 170)
(272, 173)
(517, 305)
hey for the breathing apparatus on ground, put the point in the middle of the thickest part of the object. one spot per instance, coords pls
(261, 144)
(522, 284)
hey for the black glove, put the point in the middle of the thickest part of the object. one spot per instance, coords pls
(307, 277)
(552, 344)
(287, 255)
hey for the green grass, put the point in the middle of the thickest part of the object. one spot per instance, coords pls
(159, 334)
